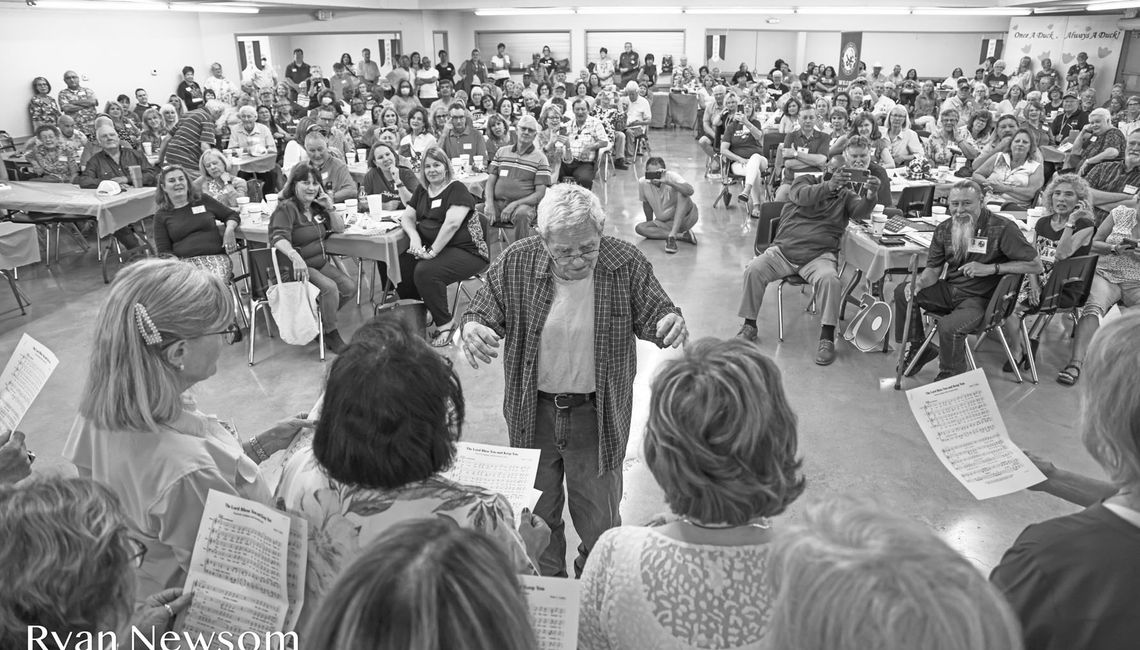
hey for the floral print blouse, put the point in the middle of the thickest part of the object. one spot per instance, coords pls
(43, 109)
(344, 519)
(60, 163)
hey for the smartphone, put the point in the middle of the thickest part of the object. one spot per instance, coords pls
(1131, 243)
(857, 175)
(654, 175)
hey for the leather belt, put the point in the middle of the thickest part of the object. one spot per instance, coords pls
(564, 401)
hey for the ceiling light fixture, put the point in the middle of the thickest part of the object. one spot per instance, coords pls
(764, 11)
(1112, 6)
(970, 11)
(626, 10)
(536, 11)
(854, 11)
(97, 5)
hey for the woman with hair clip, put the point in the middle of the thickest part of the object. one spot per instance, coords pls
(139, 432)
(721, 442)
(438, 586)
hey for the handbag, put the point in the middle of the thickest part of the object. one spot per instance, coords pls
(294, 307)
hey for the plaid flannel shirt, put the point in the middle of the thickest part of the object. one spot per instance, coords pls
(628, 303)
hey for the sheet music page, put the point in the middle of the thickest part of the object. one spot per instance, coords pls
(553, 604)
(24, 377)
(507, 470)
(238, 572)
(298, 561)
(961, 421)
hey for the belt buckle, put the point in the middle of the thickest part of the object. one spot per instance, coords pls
(558, 403)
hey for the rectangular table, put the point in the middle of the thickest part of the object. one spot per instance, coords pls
(871, 261)
(658, 110)
(242, 163)
(683, 110)
(474, 182)
(112, 212)
(19, 245)
(383, 247)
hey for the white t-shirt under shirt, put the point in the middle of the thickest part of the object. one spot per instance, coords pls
(566, 347)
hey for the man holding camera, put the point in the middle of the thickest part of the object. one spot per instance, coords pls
(666, 199)
(807, 243)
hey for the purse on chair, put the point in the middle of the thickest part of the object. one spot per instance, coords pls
(294, 307)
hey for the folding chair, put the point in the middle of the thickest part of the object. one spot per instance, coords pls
(916, 201)
(1067, 287)
(1001, 305)
(793, 280)
(728, 179)
(769, 212)
(461, 287)
(605, 170)
(260, 272)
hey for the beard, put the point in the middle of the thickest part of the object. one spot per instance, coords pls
(961, 232)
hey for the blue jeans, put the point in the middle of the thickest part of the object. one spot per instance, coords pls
(568, 440)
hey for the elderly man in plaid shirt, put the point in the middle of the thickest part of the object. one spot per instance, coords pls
(569, 304)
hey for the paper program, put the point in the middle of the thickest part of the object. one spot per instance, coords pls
(24, 377)
(961, 421)
(554, 610)
(509, 471)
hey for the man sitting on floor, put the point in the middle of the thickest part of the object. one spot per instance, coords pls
(667, 200)
(807, 243)
(977, 247)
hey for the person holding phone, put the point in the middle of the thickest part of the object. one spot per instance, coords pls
(807, 242)
(1117, 280)
(304, 218)
(742, 146)
(667, 200)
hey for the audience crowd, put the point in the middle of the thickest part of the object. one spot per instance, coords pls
(399, 556)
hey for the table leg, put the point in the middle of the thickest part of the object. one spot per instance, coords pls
(21, 298)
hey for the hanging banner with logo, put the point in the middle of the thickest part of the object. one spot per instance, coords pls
(850, 52)
(1061, 39)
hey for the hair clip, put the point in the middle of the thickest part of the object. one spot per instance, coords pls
(147, 329)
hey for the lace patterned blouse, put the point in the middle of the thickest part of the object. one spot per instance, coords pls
(1124, 267)
(642, 589)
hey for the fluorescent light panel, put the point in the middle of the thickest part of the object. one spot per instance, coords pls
(970, 11)
(768, 11)
(1111, 6)
(627, 10)
(537, 11)
(95, 5)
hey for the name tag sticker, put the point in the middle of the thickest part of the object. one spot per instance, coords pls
(62, 159)
(1049, 255)
(198, 209)
(1065, 147)
(437, 203)
(504, 172)
(978, 245)
(324, 176)
(466, 145)
(1129, 189)
(802, 149)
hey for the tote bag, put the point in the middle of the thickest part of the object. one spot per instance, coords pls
(294, 307)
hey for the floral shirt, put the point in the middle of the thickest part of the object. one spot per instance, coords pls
(60, 162)
(344, 520)
(84, 117)
(43, 109)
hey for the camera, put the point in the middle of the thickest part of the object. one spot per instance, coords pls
(654, 175)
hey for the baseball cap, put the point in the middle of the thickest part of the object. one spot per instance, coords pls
(108, 188)
(1070, 93)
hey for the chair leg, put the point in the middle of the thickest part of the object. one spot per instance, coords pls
(1009, 352)
(359, 278)
(780, 311)
(1039, 324)
(320, 332)
(1025, 340)
(254, 308)
(970, 355)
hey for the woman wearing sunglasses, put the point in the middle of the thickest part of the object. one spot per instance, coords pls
(140, 433)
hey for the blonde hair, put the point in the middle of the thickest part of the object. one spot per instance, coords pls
(1110, 403)
(849, 576)
(210, 155)
(567, 205)
(1080, 188)
(130, 384)
(721, 436)
(64, 562)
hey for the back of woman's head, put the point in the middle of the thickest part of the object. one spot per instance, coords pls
(64, 563)
(721, 437)
(131, 384)
(852, 577)
(425, 584)
(1110, 402)
(392, 411)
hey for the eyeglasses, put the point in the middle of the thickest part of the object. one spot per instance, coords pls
(582, 254)
(136, 551)
(229, 335)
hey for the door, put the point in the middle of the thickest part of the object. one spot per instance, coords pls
(439, 42)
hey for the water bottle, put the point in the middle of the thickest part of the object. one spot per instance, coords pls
(361, 201)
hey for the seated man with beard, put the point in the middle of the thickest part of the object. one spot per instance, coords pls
(977, 247)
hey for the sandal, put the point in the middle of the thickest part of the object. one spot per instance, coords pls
(442, 338)
(1069, 375)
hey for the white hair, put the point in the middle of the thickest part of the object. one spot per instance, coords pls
(1103, 112)
(632, 87)
(566, 206)
(851, 576)
(247, 110)
(528, 120)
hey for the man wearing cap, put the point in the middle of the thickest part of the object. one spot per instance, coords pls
(877, 74)
(963, 102)
(516, 182)
(1069, 122)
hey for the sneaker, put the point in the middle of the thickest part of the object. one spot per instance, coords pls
(826, 353)
(714, 176)
(620, 165)
(747, 332)
(928, 355)
(334, 343)
(688, 236)
(671, 245)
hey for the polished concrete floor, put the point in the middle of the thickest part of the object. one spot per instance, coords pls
(856, 437)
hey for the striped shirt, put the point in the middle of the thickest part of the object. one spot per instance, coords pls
(628, 303)
(195, 129)
(517, 173)
(1114, 177)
